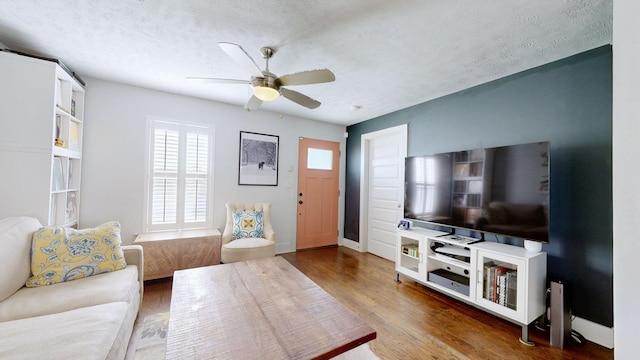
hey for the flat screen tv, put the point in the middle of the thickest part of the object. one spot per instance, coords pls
(500, 190)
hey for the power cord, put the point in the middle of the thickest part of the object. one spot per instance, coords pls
(577, 337)
(544, 323)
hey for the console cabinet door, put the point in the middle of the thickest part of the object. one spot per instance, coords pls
(410, 255)
(500, 284)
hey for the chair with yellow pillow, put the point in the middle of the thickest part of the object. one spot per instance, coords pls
(248, 233)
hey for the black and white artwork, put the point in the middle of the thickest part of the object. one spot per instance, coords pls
(258, 159)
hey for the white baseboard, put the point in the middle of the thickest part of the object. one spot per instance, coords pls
(354, 245)
(594, 332)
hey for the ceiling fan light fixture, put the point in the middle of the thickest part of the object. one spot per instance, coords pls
(265, 88)
(265, 93)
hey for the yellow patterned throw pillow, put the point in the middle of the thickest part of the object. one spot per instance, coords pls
(61, 254)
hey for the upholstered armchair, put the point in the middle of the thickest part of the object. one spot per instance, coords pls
(248, 233)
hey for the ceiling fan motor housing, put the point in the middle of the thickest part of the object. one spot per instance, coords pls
(266, 88)
(269, 80)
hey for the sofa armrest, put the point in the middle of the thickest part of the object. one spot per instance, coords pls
(134, 255)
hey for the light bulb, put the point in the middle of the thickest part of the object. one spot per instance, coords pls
(265, 93)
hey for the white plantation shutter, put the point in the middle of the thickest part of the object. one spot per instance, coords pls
(179, 176)
(197, 172)
(164, 198)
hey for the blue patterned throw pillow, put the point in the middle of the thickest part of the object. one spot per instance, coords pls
(247, 224)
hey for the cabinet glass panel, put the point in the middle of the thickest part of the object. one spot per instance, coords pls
(410, 255)
(500, 283)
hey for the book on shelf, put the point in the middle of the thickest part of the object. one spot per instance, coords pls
(57, 181)
(70, 182)
(74, 136)
(475, 169)
(502, 289)
(461, 170)
(460, 186)
(410, 249)
(500, 285)
(498, 271)
(71, 207)
(488, 281)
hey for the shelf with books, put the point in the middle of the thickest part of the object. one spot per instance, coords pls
(410, 254)
(469, 185)
(71, 208)
(500, 282)
(503, 279)
(40, 138)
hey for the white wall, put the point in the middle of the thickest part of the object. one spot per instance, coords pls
(626, 177)
(115, 148)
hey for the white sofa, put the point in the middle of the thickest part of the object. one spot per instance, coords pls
(89, 318)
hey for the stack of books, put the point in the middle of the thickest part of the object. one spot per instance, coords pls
(500, 285)
(410, 249)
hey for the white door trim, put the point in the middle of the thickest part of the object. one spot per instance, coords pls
(364, 177)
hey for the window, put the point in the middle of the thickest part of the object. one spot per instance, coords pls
(425, 171)
(179, 182)
(319, 159)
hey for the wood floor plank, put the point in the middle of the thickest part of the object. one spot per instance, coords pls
(412, 321)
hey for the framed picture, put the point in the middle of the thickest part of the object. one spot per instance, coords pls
(258, 164)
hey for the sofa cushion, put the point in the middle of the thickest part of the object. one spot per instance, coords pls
(247, 249)
(114, 286)
(84, 333)
(248, 243)
(15, 242)
(61, 254)
(248, 224)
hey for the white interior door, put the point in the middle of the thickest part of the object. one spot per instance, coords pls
(382, 189)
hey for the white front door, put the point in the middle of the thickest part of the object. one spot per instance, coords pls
(382, 189)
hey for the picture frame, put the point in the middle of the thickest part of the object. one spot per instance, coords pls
(258, 159)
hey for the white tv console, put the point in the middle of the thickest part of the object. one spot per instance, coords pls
(505, 280)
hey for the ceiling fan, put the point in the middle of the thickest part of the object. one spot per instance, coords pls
(266, 85)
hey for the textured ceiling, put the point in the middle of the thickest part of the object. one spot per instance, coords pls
(386, 55)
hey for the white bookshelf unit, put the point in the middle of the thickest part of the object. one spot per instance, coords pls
(41, 123)
(505, 280)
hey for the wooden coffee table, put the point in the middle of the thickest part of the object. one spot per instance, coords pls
(258, 309)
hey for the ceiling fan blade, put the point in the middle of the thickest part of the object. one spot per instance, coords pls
(300, 99)
(307, 77)
(219, 81)
(253, 103)
(237, 53)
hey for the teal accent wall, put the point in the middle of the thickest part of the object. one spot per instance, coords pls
(567, 102)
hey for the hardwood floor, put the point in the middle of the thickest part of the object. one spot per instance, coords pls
(412, 321)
